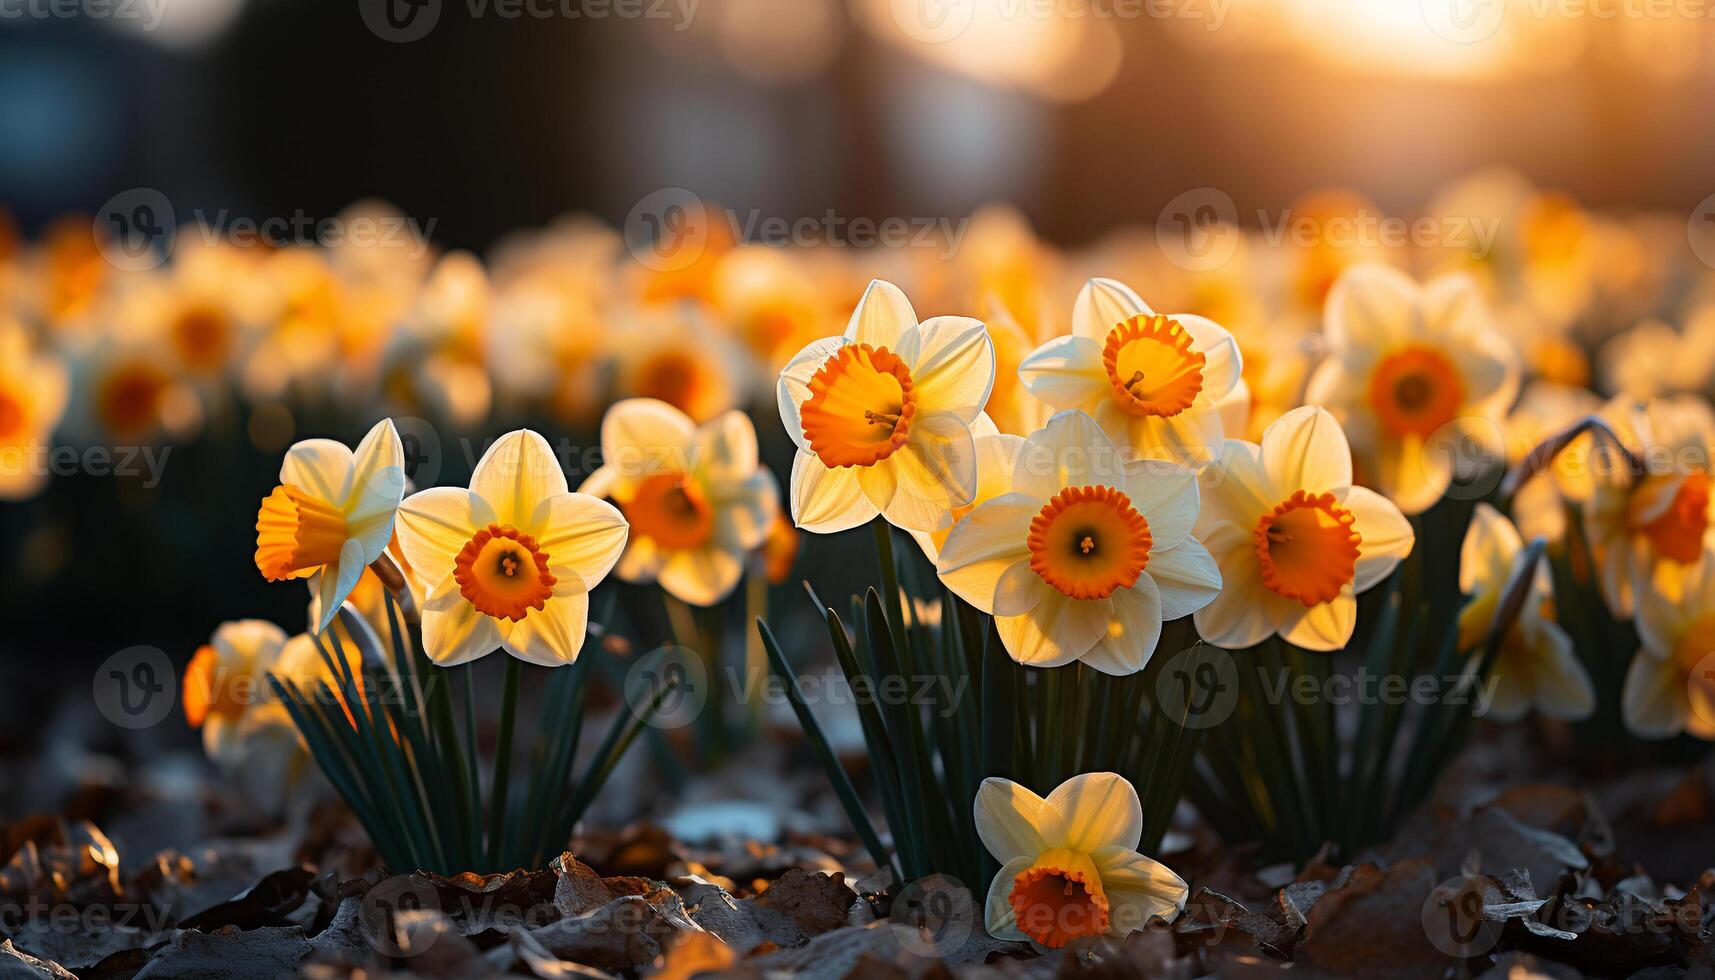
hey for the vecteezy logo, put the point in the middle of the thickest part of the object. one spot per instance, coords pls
(668, 230)
(389, 901)
(934, 21)
(136, 687)
(669, 686)
(1198, 687)
(134, 229)
(1464, 21)
(400, 21)
(933, 916)
(1454, 919)
(1700, 230)
(1198, 230)
(421, 443)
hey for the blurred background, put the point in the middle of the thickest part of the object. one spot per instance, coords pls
(1073, 131)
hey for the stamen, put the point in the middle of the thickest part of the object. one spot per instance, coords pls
(1087, 545)
(878, 418)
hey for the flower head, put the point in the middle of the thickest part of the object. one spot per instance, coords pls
(1086, 554)
(882, 417)
(1069, 863)
(332, 514)
(1670, 687)
(510, 562)
(1407, 364)
(1536, 666)
(696, 497)
(1152, 381)
(32, 399)
(1295, 541)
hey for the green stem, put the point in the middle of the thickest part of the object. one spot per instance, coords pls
(503, 763)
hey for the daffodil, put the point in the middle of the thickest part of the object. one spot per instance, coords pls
(997, 454)
(1069, 863)
(1536, 666)
(509, 563)
(224, 680)
(32, 399)
(696, 497)
(1152, 381)
(1295, 540)
(332, 514)
(1647, 526)
(1086, 554)
(1670, 687)
(674, 354)
(882, 417)
(1407, 364)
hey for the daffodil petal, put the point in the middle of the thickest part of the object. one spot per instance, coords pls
(955, 369)
(700, 576)
(1139, 888)
(552, 636)
(1305, 449)
(1096, 809)
(1132, 633)
(827, 499)
(1187, 577)
(1070, 451)
(982, 546)
(1370, 305)
(931, 474)
(1385, 537)
(319, 466)
(1102, 305)
(458, 635)
(1057, 631)
(640, 436)
(434, 526)
(881, 317)
(1654, 702)
(516, 473)
(1010, 818)
(1166, 495)
(1325, 626)
(1066, 372)
(724, 449)
(999, 920)
(579, 533)
(794, 386)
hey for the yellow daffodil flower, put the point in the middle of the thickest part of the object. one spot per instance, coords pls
(1536, 666)
(32, 398)
(225, 680)
(332, 514)
(1294, 539)
(997, 454)
(1405, 364)
(1153, 382)
(1647, 527)
(509, 563)
(697, 497)
(1069, 863)
(1670, 687)
(882, 417)
(1086, 554)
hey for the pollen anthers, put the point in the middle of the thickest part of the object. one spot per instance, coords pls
(1152, 367)
(1308, 548)
(1415, 391)
(1059, 898)
(861, 405)
(503, 572)
(296, 533)
(1088, 542)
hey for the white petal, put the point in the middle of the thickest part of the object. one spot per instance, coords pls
(743, 511)
(1241, 615)
(1134, 631)
(1385, 537)
(640, 436)
(1187, 577)
(1057, 631)
(1223, 364)
(1010, 819)
(881, 317)
(1138, 888)
(1102, 305)
(827, 499)
(1654, 702)
(458, 635)
(1324, 626)
(553, 635)
(516, 474)
(1066, 372)
(700, 576)
(1371, 305)
(1166, 495)
(999, 920)
(955, 370)
(725, 449)
(1306, 449)
(435, 525)
(320, 466)
(1097, 809)
(984, 544)
(334, 584)
(1564, 688)
(1070, 451)
(794, 387)
(917, 487)
(1234, 488)
(582, 536)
